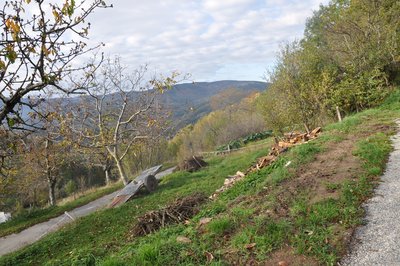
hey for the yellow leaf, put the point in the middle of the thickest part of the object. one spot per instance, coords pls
(45, 51)
(15, 27)
(2, 65)
(56, 15)
(8, 23)
(32, 50)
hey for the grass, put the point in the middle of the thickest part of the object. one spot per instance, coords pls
(246, 223)
(167, 165)
(373, 150)
(106, 231)
(27, 219)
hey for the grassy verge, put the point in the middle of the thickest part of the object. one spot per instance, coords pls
(28, 219)
(298, 212)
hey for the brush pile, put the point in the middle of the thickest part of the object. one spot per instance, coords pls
(280, 146)
(192, 164)
(179, 211)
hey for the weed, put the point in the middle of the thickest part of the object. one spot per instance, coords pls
(331, 187)
(347, 125)
(374, 151)
(220, 226)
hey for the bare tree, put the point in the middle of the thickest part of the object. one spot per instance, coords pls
(120, 110)
(49, 150)
(39, 42)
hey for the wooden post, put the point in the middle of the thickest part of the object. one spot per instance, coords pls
(338, 114)
(307, 129)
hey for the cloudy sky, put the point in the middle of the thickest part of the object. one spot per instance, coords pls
(210, 39)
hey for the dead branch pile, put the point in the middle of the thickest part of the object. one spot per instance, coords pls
(179, 211)
(280, 146)
(192, 164)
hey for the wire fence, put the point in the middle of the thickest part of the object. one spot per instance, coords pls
(228, 150)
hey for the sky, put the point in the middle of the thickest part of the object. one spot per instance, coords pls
(209, 39)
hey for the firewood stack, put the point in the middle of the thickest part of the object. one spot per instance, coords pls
(281, 146)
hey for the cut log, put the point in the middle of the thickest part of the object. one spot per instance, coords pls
(315, 131)
(151, 183)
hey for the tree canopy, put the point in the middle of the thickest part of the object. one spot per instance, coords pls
(39, 43)
(349, 58)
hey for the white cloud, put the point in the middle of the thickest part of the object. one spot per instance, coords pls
(210, 39)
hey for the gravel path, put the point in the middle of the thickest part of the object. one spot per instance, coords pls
(378, 242)
(32, 234)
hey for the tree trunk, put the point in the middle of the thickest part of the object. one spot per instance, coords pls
(52, 192)
(122, 173)
(50, 178)
(107, 173)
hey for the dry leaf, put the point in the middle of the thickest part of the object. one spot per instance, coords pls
(209, 256)
(204, 221)
(283, 263)
(183, 239)
(250, 246)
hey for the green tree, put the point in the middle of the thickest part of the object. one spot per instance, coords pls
(70, 187)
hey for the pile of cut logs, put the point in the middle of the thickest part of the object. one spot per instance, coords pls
(280, 146)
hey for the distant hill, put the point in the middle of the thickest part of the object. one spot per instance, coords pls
(187, 102)
(191, 101)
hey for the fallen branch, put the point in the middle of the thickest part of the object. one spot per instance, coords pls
(179, 211)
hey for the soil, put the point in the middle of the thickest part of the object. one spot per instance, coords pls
(287, 257)
(331, 167)
(335, 165)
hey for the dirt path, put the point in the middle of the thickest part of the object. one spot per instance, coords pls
(378, 242)
(32, 234)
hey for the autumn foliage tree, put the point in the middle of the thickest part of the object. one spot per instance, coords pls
(38, 45)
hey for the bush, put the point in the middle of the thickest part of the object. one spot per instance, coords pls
(70, 187)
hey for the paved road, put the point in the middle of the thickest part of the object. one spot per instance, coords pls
(378, 242)
(32, 234)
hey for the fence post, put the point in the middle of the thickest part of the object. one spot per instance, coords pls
(338, 114)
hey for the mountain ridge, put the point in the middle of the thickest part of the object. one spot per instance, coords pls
(191, 101)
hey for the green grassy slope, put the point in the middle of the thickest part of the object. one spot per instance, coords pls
(105, 231)
(278, 212)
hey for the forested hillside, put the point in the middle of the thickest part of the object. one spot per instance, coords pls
(191, 101)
